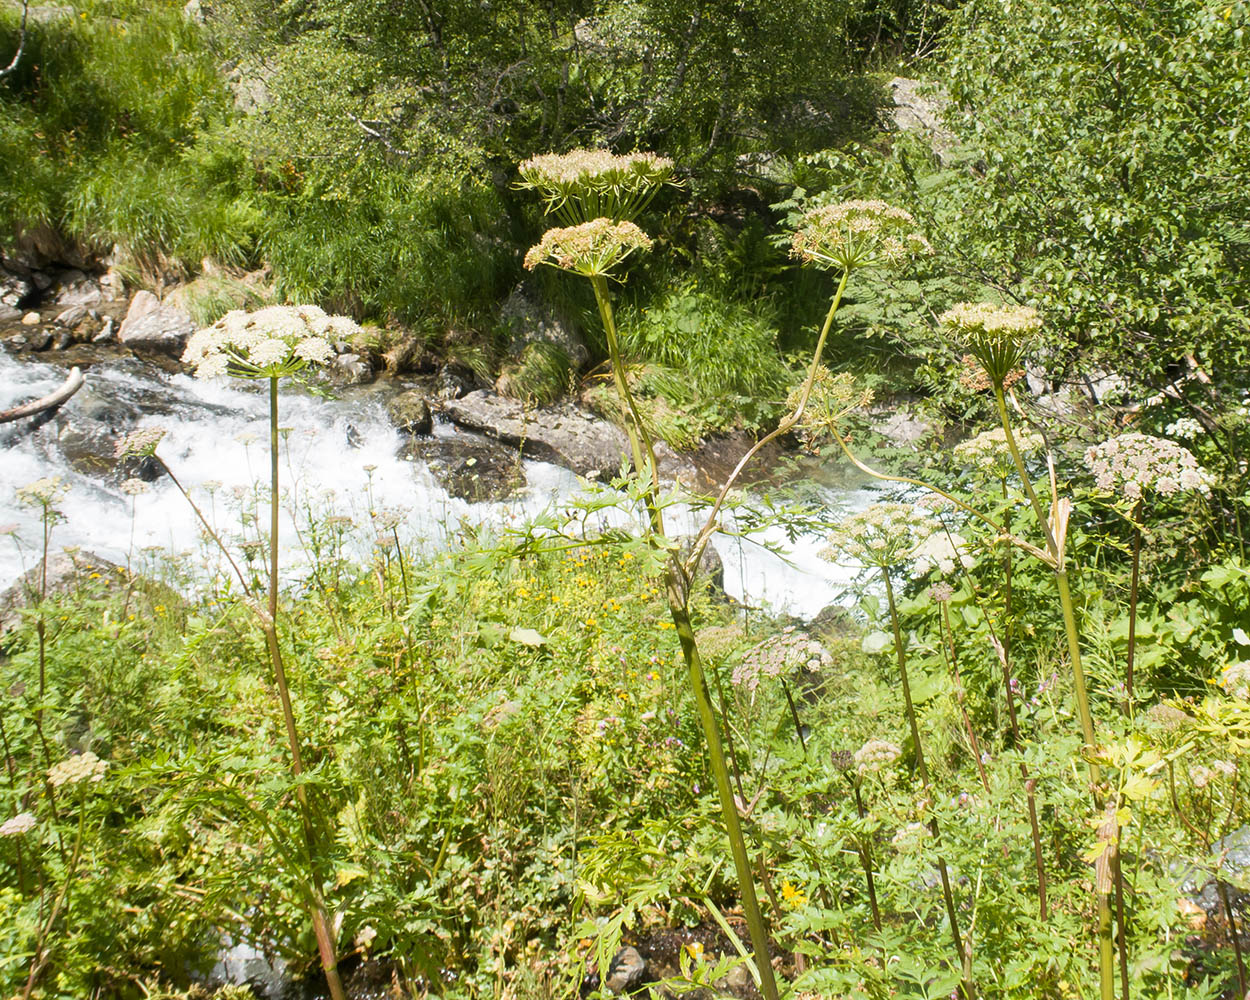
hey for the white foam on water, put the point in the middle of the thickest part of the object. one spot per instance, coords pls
(339, 457)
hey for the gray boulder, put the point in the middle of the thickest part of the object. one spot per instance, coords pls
(149, 325)
(918, 108)
(566, 435)
(529, 322)
(410, 412)
(77, 289)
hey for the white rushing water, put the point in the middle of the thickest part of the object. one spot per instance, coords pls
(339, 457)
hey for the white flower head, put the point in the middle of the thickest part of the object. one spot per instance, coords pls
(857, 234)
(269, 343)
(18, 825)
(1132, 464)
(81, 767)
(941, 551)
(787, 652)
(882, 534)
(874, 755)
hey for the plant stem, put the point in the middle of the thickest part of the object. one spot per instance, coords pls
(678, 593)
(320, 919)
(1132, 610)
(922, 769)
(1053, 535)
(865, 855)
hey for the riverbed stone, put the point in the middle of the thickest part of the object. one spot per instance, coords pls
(565, 434)
(30, 319)
(71, 317)
(151, 326)
(67, 570)
(78, 289)
(410, 412)
(350, 369)
(468, 467)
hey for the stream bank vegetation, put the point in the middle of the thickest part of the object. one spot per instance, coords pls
(1015, 771)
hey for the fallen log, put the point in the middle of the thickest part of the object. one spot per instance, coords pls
(49, 402)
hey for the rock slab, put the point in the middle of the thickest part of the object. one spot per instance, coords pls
(565, 435)
(153, 326)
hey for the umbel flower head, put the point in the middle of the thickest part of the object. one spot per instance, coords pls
(996, 336)
(857, 234)
(140, 443)
(82, 767)
(831, 399)
(1132, 464)
(591, 248)
(17, 825)
(778, 655)
(586, 184)
(269, 343)
(874, 755)
(988, 451)
(44, 493)
(882, 534)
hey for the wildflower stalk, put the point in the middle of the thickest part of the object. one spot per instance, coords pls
(948, 635)
(320, 918)
(965, 958)
(1053, 534)
(1132, 608)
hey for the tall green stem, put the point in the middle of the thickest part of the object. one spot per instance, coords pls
(677, 592)
(1132, 610)
(923, 770)
(1054, 534)
(320, 919)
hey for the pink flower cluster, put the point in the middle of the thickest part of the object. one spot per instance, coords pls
(1132, 464)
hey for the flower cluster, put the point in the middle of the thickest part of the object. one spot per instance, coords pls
(996, 336)
(1202, 776)
(882, 534)
(135, 487)
(83, 767)
(831, 398)
(1133, 463)
(857, 234)
(585, 184)
(789, 651)
(874, 755)
(1184, 427)
(42, 492)
(591, 248)
(17, 825)
(140, 443)
(988, 451)
(1235, 680)
(943, 551)
(269, 343)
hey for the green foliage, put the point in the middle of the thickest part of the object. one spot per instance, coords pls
(103, 136)
(540, 376)
(1107, 193)
(711, 359)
